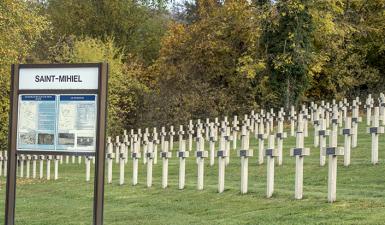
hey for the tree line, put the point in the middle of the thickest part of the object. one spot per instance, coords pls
(205, 58)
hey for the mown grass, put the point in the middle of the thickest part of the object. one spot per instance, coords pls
(360, 194)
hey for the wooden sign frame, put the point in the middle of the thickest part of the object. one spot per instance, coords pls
(100, 137)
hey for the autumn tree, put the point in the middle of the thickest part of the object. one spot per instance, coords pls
(20, 27)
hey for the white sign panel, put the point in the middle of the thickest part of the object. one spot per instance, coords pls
(57, 122)
(58, 78)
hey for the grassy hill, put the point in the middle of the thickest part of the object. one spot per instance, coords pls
(360, 193)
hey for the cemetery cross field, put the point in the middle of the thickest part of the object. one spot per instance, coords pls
(300, 173)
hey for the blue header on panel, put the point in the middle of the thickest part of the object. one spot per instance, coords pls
(77, 98)
(38, 97)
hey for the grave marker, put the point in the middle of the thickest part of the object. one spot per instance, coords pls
(270, 154)
(292, 120)
(368, 106)
(261, 139)
(117, 149)
(122, 159)
(299, 152)
(150, 157)
(316, 124)
(165, 155)
(182, 154)
(280, 135)
(110, 157)
(235, 129)
(190, 135)
(355, 119)
(212, 144)
(347, 132)
(200, 155)
(244, 153)
(171, 133)
(375, 130)
(180, 133)
(323, 133)
(332, 152)
(222, 153)
(135, 155)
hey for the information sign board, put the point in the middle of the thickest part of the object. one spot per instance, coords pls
(58, 109)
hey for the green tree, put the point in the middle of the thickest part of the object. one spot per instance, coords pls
(124, 88)
(137, 26)
(20, 27)
(288, 42)
(208, 68)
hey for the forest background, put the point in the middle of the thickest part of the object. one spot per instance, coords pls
(171, 62)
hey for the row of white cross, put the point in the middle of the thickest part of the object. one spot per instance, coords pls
(260, 125)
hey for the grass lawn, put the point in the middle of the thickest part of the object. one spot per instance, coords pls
(360, 193)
